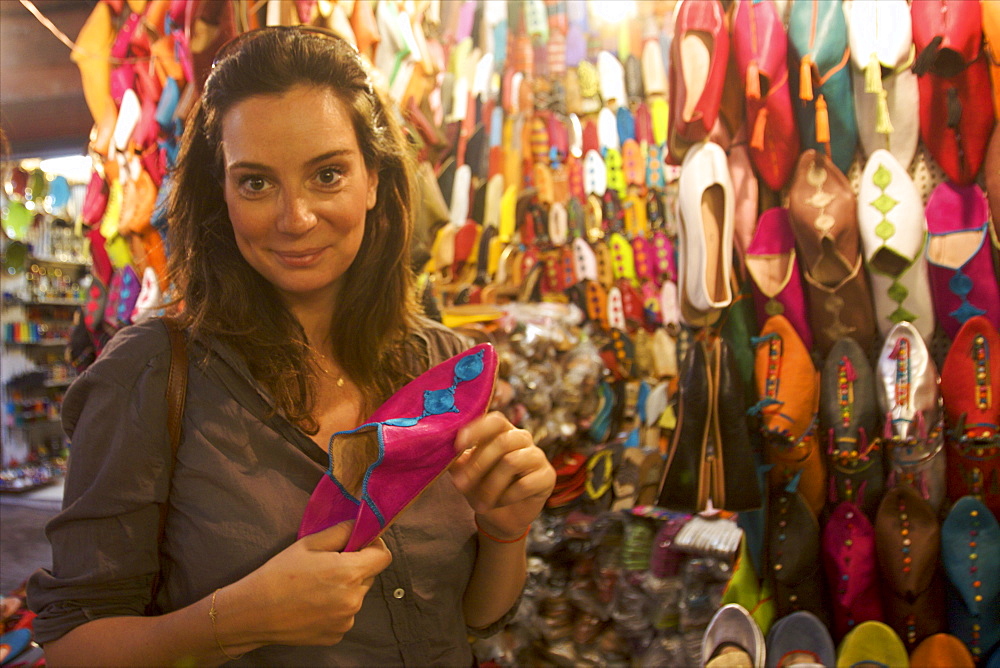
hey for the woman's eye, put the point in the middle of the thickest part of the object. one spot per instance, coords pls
(328, 176)
(253, 183)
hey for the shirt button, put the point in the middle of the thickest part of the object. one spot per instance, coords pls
(399, 593)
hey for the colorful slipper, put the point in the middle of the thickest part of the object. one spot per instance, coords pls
(381, 467)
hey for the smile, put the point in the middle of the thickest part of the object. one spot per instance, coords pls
(299, 258)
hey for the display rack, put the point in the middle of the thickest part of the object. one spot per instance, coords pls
(42, 287)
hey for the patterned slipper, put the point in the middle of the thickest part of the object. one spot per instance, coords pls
(378, 469)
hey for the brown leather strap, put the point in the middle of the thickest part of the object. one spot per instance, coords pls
(176, 394)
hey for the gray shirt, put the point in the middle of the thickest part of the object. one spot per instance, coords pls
(241, 482)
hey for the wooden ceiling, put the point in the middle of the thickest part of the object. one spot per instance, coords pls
(42, 109)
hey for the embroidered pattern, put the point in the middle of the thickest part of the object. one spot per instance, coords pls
(773, 367)
(981, 359)
(901, 353)
(961, 285)
(976, 583)
(885, 230)
(845, 386)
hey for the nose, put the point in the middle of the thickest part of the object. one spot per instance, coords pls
(297, 216)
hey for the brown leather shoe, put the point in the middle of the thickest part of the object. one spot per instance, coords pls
(793, 556)
(823, 212)
(908, 543)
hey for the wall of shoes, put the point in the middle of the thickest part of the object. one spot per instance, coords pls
(740, 260)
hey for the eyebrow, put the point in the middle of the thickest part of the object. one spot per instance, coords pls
(259, 166)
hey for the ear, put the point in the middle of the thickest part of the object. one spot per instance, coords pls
(372, 189)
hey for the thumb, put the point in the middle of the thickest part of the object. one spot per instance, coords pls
(331, 539)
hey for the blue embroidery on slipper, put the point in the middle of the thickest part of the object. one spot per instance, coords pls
(437, 402)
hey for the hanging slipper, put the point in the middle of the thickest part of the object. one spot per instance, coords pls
(885, 86)
(913, 435)
(760, 47)
(893, 233)
(93, 57)
(820, 74)
(952, 75)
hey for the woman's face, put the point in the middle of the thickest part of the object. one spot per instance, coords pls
(297, 190)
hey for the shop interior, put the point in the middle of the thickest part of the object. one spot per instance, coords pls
(739, 259)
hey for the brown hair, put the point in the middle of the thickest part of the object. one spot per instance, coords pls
(224, 297)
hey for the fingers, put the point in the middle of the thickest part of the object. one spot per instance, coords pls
(519, 474)
(377, 557)
(482, 430)
(331, 539)
(370, 560)
(486, 443)
(500, 464)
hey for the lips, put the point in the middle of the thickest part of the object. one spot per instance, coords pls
(299, 258)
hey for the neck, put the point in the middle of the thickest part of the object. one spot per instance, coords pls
(314, 314)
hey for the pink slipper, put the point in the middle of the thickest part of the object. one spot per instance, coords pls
(409, 442)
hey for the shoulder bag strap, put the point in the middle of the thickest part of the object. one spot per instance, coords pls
(176, 395)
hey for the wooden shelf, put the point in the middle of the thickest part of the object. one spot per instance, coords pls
(52, 262)
(44, 342)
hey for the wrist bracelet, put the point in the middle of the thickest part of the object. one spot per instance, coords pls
(215, 631)
(487, 534)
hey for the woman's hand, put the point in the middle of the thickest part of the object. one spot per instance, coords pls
(503, 474)
(309, 593)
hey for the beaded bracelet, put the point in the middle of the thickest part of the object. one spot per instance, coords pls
(487, 534)
(212, 612)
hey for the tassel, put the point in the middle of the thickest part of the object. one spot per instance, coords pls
(849, 373)
(753, 81)
(806, 79)
(758, 408)
(757, 141)
(873, 75)
(822, 122)
(757, 340)
(883, 125)
(954, 108)
(928, 56)
(923, 487)
(792, 486)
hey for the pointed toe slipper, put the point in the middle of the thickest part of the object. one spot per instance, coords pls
(378, 469)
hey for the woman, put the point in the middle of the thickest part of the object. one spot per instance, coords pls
(289, 227)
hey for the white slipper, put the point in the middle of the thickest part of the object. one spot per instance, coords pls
(893, 235)
(885, 87)
(706, 231)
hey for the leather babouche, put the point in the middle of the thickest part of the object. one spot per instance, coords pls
(711, 454)
(823, 212)
(970, 388)
(908, 544)
(788, 399)
(848, 419)
(851, 568)
(913, 432)
(793, 554)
